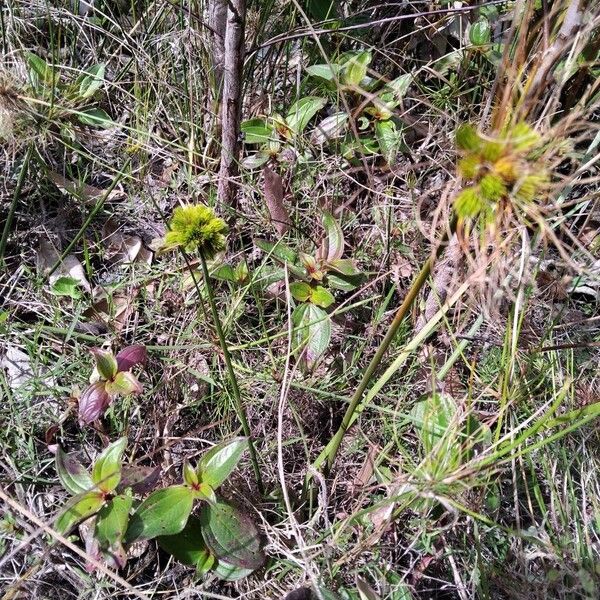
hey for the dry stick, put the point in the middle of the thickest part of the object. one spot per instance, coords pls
(232, 101)
(414, 290)
(60, 538)
(237, 397)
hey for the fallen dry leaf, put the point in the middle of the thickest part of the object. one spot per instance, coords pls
(274, 194)
(48, 256)
(82, 191)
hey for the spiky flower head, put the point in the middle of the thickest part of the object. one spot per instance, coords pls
(500, 168)
(196, 228)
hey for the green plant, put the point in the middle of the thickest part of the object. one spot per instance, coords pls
(222, 538)
(62, 99)
(197, 228)
(314, 278)
(371, 104)
(113, 378)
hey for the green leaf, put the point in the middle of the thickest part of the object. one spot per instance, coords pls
(241, 271)
(106, 362)
(328, 72)
(228, 572)
(124, 383)
(278, 250)
(190, 477)
(312, 333)
(330, 128)
(333, 244)
(96, 117)
(188, 546)
(320, 10)
(106, 472)
(92, 81)
(255, 161)
(164, 512)
(322, 297)
(72, 474)
(390, 140)
(218, 463)
(112, 520)
(231, 535)
(303, 111)
(341, 283)
(399, 86)
(480, 32)
(256, 131)
(77, 509)
(355, 69)
(39, 67)
(345, 266)
(224, 273)
(205, 492)
(327, 594)
(300, 290)
(432, 418)
(283, 254)
(66, 286)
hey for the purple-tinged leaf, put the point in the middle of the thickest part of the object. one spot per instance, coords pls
(125, 383)
(141, 480)
(106, 363)
(72, 474)
(231, 535)
(131, 356)
(332, 247)
(93, 402)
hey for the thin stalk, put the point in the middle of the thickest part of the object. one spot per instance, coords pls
(239, 407)
(414, 290)
(97, 208)
(13, 206)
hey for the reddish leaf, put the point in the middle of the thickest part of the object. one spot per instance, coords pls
(131, 356)
(93, 402)
(140, 479)
(274, 193)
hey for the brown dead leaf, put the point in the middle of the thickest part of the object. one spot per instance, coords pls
(123, 248)
(82, 191)
(112, 310)
(47, 256)
(274, 194)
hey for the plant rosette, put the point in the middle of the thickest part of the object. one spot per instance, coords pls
(112, 377)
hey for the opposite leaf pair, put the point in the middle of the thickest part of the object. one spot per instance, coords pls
(222, 538)
(115, 379)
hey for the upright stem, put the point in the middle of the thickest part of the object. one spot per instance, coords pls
(239, 407)
(15, 200)
(332, 448)
(232, 101)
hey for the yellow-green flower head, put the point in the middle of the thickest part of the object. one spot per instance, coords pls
(196, 227)
(499, 167)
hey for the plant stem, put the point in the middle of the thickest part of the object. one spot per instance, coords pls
(332, 448)
(232, 378)
(13, 206)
